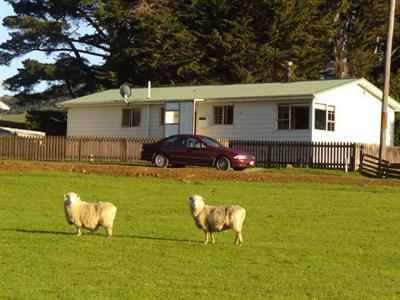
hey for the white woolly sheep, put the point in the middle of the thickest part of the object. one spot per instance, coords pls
(217, 218)
(89, 215)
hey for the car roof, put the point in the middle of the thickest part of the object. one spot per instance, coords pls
(188, 135)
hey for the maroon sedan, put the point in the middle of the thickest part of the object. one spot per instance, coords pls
(198, 150)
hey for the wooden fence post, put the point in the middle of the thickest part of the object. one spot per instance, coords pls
(79, 148)
(310, 154)
(361, 161)
(269, 155)
(353, 158)
(124, 148)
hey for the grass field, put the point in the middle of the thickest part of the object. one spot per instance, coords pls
(12, 120)
(301, 241)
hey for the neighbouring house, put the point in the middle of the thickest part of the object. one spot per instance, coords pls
(8, 131)
(345, 110)
(4, 106)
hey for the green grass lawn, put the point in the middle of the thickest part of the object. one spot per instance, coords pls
(12, 120)
(300, 241)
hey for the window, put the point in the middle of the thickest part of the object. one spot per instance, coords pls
(131, 117)
(293, 116)
(324, 117)
(283, 116)
(331, 118)
(194, 143)
(320, 117)
(176, 141)
(171, 117)
(223, 114)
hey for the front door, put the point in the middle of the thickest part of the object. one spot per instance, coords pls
(179, 118)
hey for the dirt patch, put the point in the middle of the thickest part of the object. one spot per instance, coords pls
(187, 174)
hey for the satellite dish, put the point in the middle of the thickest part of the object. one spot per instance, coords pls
(125, 92)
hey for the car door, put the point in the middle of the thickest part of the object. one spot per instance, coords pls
(175, 149)
(197, 152)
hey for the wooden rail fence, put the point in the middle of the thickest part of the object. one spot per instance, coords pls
(267, 153)
(381, 168)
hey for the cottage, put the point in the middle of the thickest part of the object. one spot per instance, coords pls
(8, 131)
(4, 106)
(346, 110)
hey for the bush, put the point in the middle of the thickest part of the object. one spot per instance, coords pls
(50, 121)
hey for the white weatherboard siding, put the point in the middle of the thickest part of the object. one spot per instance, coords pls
(358, 115)
(186, 117)
(106, 122)
(251, 120)
(156, 129)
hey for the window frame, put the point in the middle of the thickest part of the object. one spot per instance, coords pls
(174, 111)
(330, 116)
(289, 119)
(279, 120)
(132, 122)
(224, 115)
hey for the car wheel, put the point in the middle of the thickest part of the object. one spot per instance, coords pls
(222, 163)
(160, 160)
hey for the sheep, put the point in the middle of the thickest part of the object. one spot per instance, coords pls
(89, 215)
(217, 218)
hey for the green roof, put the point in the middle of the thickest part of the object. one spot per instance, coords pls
(210, 92)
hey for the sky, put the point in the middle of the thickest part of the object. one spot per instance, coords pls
(12, 69)
(5, 71)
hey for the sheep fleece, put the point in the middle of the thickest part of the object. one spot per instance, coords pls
(88, 215)
(217, 218)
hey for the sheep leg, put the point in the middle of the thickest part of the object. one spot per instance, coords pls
(239, 238)
(205, 237)
(79, 231)
(212, 237)
(109, 231)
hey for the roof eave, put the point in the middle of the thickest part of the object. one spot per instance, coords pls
(262, 98)
(378, 93)
(219, 99)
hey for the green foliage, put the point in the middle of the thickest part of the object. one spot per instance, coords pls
(51, 122)
(301, 241)
(192, 42)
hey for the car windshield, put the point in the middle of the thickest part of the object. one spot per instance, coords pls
(211, 142)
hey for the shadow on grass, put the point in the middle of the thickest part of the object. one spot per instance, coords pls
(114, 236)
(38, 231)
(369, 175)
(139, 237)
(12, 124)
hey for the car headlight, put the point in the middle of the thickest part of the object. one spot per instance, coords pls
(240, 156)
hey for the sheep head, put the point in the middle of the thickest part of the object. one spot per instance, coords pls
(196, 202)
(71, 198)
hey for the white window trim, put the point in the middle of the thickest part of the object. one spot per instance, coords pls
(290, 105)
(131, 116)
(326, 106)
(171, 110)
(223, 115)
